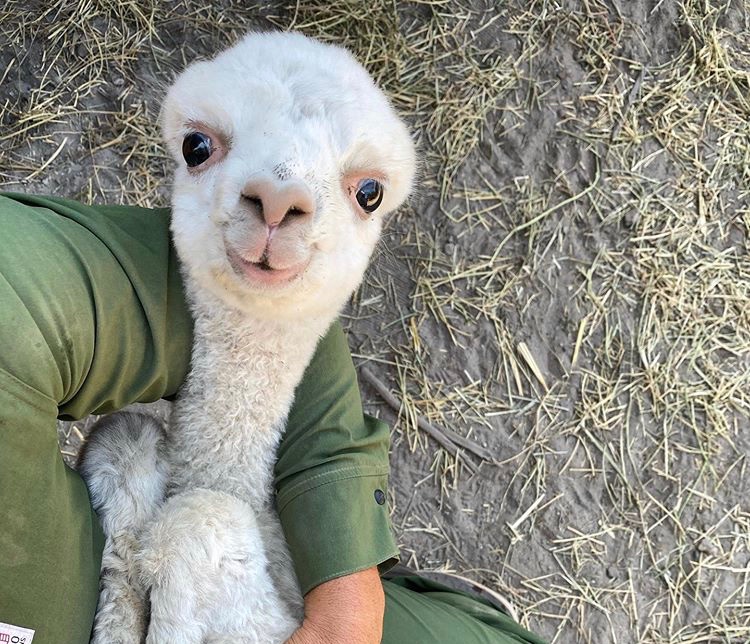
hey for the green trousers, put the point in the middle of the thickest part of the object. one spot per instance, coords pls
(93, 318)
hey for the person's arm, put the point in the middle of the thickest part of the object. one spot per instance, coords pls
(345, 610)
(331, 479)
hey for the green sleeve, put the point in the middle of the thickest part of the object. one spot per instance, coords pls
(332, 473)
(93, 318)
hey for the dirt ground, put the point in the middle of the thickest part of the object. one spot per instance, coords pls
(569, 288)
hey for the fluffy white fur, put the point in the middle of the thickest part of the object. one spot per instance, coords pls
(282, 110)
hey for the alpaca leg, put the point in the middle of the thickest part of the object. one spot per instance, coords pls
(124, 469)
(280, 564)
(204, 561)
(173, 619)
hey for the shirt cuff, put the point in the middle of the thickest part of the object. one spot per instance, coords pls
(337, 525)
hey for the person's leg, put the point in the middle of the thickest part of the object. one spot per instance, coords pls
(84, 325)
(420, 611)
(50, 540)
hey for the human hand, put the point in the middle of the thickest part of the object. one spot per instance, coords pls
(346, 610)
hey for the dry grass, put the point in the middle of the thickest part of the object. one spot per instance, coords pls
(571, 288)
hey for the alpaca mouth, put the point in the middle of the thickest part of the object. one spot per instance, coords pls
(261, 273)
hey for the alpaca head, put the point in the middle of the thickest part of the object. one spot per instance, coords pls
(288, 158)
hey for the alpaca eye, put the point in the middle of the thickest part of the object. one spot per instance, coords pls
(196, 148)
(369, 195)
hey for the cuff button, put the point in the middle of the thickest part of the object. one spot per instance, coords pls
(379, 497)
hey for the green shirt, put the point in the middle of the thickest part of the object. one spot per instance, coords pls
(93, 318)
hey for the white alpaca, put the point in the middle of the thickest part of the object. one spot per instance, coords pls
(288, 157)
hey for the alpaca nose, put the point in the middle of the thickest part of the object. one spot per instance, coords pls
(279, 200)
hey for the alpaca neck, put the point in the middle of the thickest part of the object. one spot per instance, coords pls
(231, 412)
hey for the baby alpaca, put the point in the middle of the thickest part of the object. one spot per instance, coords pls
(288, 158)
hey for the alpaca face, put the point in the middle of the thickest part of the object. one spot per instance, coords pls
(288, 158)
